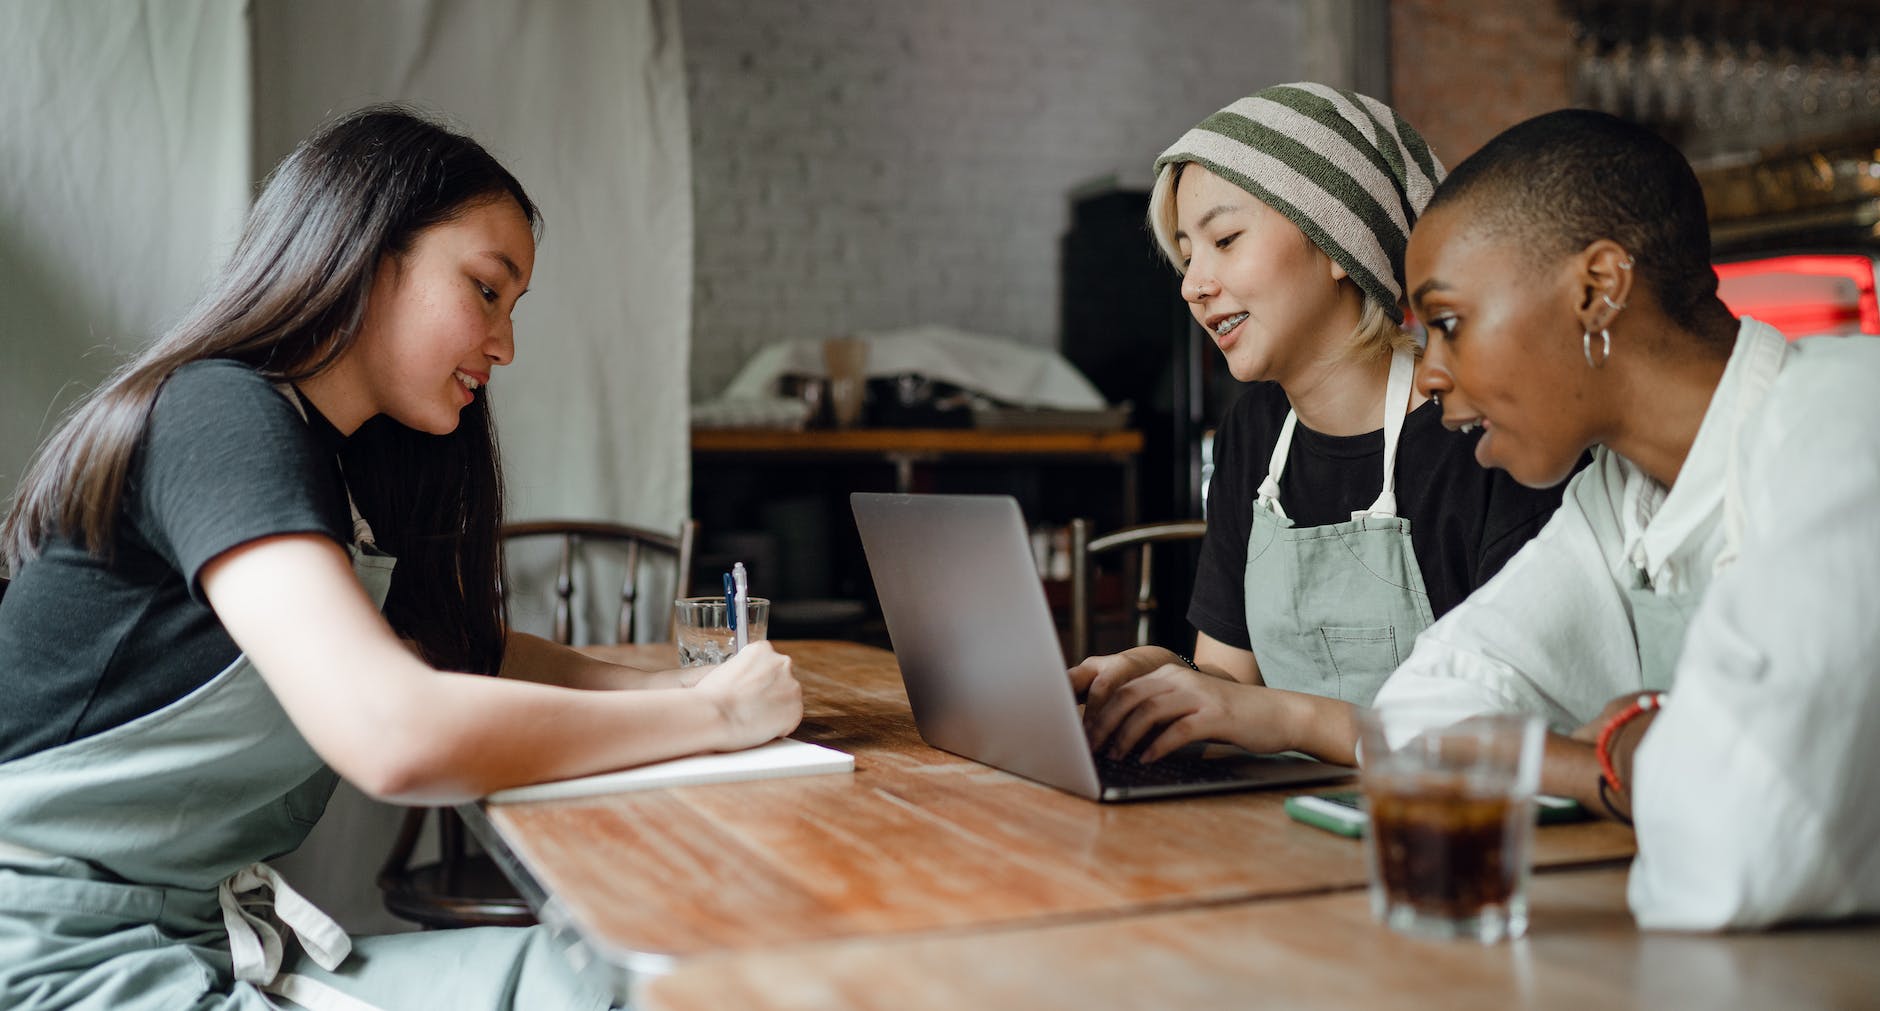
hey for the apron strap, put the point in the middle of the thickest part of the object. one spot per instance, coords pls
(314, 995)
(1269, 488)
(1396, 408)
(256, 948)
(254, 944)
(362, 531)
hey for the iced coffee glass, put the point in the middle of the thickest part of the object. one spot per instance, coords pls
(1451, 831)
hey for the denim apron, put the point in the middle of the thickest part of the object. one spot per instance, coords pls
(133, 873)
(1332, 610)
(1660, 620)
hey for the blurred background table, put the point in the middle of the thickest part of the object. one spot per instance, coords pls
(778, 502)
(906, 448)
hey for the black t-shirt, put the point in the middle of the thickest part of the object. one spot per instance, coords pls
(85, 645)
(1465, 521)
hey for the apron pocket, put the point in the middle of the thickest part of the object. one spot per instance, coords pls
(1361, 658)
(307, 802)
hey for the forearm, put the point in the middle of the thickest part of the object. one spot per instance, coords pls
(1320, 727)
(437, 738)
(532, 658)
(402, 731)
(1570, 768)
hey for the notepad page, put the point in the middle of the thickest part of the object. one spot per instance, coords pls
(782, 757)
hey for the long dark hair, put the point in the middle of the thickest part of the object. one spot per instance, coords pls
(288, 304)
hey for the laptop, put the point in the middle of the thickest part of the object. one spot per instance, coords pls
(985, 675)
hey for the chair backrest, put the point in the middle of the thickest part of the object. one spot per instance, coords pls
(1143, 537)
(635, 544)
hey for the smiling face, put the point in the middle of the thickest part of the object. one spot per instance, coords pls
(438, 318)
(1504, 347)
(1271, 300)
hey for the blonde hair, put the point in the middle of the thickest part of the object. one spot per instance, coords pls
(1376, 335)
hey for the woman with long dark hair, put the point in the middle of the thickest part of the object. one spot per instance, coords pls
(1697, 619)
(192, 645)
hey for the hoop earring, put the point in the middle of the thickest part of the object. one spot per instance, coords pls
(1610, 304)
(1605, 350)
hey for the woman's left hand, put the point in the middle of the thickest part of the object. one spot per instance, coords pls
(1590, 732)
(1584, 771)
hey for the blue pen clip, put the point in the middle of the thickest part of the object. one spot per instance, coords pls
(731, 605)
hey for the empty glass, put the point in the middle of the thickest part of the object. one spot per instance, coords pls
(704, 628)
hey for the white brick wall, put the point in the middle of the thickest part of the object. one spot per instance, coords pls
(865, 164)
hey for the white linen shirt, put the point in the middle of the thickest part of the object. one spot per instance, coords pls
(1757, 790)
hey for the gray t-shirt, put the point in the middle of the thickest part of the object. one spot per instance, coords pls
(87, 645)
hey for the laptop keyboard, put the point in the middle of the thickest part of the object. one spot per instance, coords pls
(1175, 770)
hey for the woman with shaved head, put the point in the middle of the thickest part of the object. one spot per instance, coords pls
(1700, 608)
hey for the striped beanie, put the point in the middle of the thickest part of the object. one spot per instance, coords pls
(1346, 169)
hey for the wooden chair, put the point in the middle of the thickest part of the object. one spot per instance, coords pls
(1143, 537)
(633, 542)
(465, 889)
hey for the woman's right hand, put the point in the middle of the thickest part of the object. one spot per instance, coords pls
(757, 695)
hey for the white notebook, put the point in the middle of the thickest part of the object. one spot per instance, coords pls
(782, 757)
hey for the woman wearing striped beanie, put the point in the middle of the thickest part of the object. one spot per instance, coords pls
(1343, 518)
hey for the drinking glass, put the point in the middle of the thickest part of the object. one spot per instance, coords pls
(704, 628)
(1451, 806)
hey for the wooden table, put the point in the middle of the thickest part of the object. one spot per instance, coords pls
(1322, 951)
(915, 842)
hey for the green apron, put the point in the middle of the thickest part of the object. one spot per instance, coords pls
(1660, 620)
(133, 874)
(1332, 610)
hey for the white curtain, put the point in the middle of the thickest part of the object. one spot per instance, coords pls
(586, 104)
(124, 140)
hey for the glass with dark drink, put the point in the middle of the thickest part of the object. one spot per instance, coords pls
(1451, 829)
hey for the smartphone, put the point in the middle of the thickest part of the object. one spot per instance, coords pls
(1342, 811)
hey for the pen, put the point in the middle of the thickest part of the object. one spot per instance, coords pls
(731, 602)
(741, 612)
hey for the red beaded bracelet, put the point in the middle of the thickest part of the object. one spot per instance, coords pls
(1603, 747)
